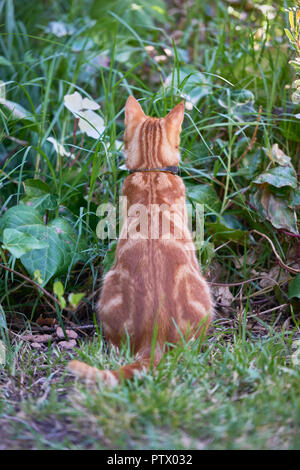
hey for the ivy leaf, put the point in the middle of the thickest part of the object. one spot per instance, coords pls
(58, 239)
(294, 288)
(279, 176)
(240, 103)
(36, 187)
(49, 261)
(68, 241)
(192, 83)
(204, 194)
(18, 243)
(19, 215)
(41, 203)
(274, 209)
(227, 228)
(38, 195)
(295, 199)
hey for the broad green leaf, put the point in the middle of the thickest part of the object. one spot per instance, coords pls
(279, 176)
(274, 209)
(226, 228)
(294, 288)
(49, 261)
(204, 194)
(58, 238)
(36, 187)
(38, 195)
(60, 253)
(193, 84)
(239, 103)
(67, 240)
(17, 216)
(19, 243)
(41, 203)
(251, 164)
(295, 199)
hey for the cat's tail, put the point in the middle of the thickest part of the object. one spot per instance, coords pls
(108, 377)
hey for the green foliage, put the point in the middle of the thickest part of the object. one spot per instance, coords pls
(239, 146)
(51, 248)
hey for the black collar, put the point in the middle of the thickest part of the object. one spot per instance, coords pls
(166, 169)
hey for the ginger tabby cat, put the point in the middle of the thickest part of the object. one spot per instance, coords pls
(156, 279)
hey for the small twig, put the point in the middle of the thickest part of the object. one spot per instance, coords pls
(265, 290)
(78, 153)
(18, 141)
(272, 309)
(198, 179)
(8, 177)
(289, 233)
(52, 329)
(236, 283)
(31, 282)
(93, 294)
(282, 264)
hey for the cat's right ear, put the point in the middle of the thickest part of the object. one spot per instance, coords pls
(133, 112)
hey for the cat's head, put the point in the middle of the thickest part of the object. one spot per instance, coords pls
(151, 142)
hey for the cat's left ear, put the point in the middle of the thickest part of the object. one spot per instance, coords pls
(133, 112)
(175, 117)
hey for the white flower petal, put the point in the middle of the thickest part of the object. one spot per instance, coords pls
(89, 104)
(59, 148)
(73, 102)
(57, 28)
(91, 123)
(189, 105)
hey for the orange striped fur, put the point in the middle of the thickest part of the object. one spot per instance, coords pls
(156, 280)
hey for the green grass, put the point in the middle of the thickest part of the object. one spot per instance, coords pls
(242, 389)
(231, 394)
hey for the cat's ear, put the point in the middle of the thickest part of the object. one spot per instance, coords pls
(175, 117)
(133, 112)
